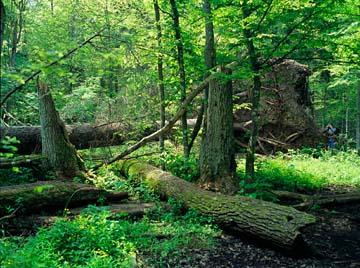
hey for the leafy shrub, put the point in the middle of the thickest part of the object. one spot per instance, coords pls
(14, 175)
(181, 167)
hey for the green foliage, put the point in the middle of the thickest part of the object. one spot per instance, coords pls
(8, 147)
(14, 175)
(181, 167)
(98, 239)
(306, 170)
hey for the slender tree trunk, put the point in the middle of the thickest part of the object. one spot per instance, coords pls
(210, 62)
(160, 73)
(2, 23)
(59, 153)
(217, 160)
(52, 6)
(13, 44)
(324, 110)
(254, 97)
(180, 59)
(358, 119)
(18, 24)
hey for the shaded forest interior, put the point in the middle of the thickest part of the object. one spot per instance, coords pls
(166, 133)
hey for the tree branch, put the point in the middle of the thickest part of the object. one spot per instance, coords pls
(32, 76)
(290, 31)
(263, 16)
(162, 130)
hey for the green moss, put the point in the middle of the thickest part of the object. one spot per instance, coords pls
(42, 188)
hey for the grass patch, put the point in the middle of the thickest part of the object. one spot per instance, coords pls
(299, 171)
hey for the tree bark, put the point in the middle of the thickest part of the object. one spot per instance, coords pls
(160, 72)
(358, 119)
(254, 97)
(2, 23)
(217, 156)
(59, 154)
(180, 60)
(210, 62)
(17, 29)
(279, 225)
(48, 195)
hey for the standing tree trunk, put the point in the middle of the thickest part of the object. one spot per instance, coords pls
(254, 97)
(17, 26)
(210, 62)
(217, 160)
(2, 23)
(358, 119)
(59, 153)
(160, 73)
(180, 59)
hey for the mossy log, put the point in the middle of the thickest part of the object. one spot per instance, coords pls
(21, 161)
(48, 195)
(279, 225)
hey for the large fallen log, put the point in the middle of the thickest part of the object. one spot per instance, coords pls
(279, 225)
(49, 195)
(81, 136)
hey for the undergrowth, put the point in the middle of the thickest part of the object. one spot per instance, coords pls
(305, 170)
(98, 238)
(14, 175)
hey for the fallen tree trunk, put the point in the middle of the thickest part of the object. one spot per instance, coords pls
(279, 225)
(309, 201)
(81, 136)
(131, 208)
(48, 195)
(21, 161)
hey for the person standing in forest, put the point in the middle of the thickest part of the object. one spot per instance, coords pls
(330, 131)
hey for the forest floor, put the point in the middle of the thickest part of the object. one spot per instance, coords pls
(336, 236)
